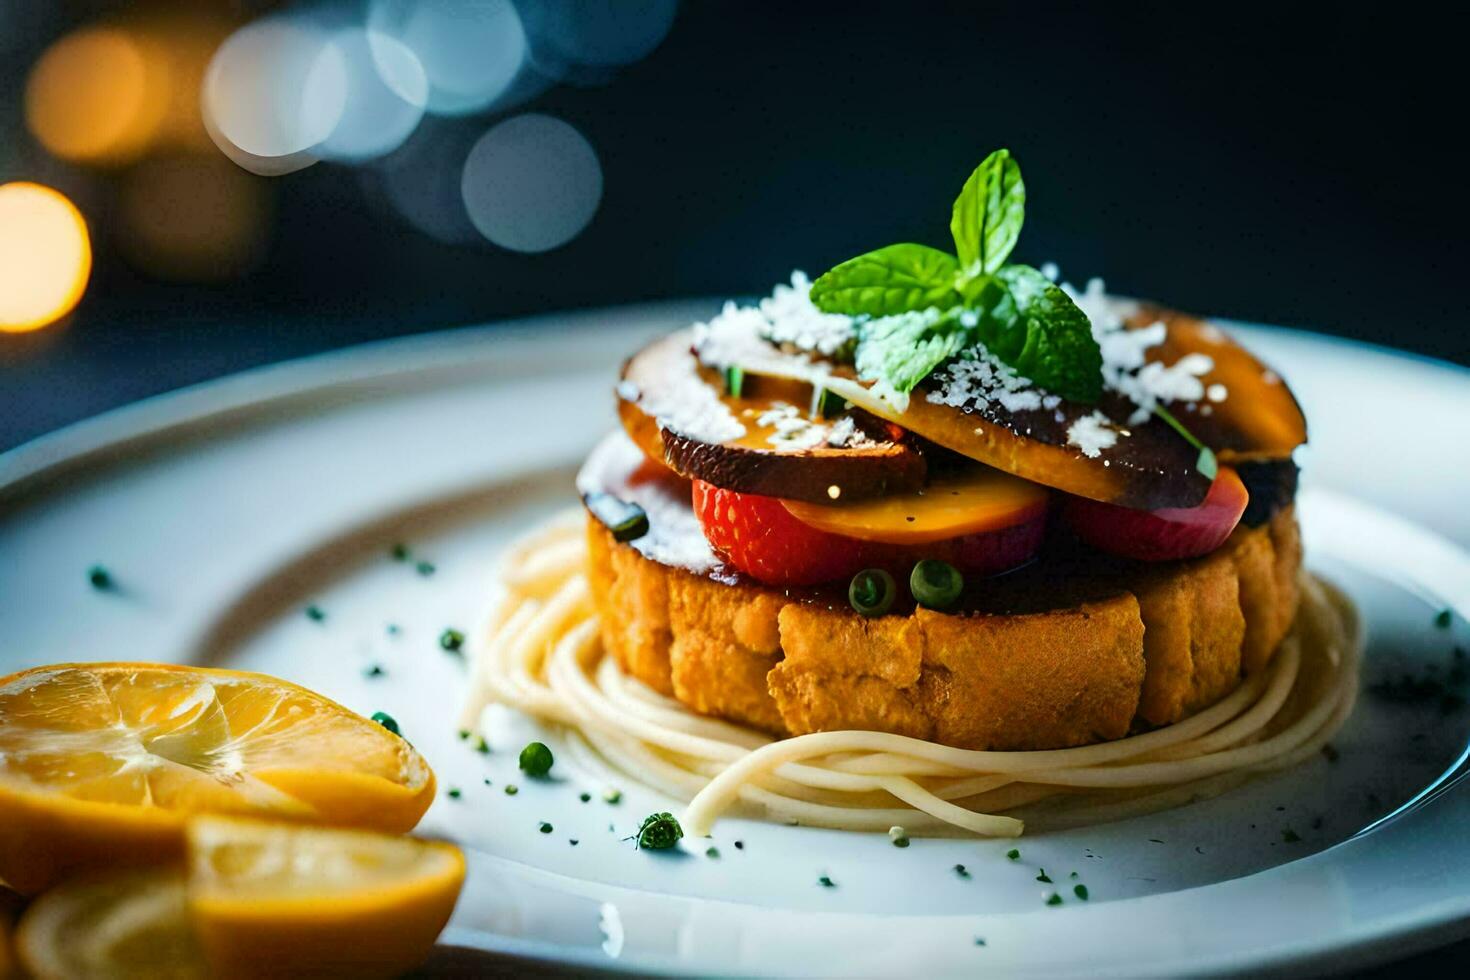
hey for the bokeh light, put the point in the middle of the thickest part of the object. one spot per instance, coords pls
(420, 182)
(45, 256)
(583, 41)
(531, 183)
(387, 91)
(97, 96)
(192, 217)
(471, 53)
(274, 91)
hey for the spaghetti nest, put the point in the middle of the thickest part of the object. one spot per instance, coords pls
(538, 651)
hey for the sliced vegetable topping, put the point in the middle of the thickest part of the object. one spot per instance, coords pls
(1162, 535)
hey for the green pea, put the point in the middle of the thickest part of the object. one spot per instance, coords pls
(386, 720)
(936, 584)
(872, 592)
(536, 759)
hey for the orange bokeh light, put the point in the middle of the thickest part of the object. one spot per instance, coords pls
(97, 96)
(45, 256)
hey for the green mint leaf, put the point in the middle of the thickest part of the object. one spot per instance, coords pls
(891, 280)
(905, 349)
(1056, 347)
(988, 214)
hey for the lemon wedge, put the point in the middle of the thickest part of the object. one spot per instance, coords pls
(100, 764)
(255, 899)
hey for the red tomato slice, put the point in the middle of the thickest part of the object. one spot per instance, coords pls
(1161, 535)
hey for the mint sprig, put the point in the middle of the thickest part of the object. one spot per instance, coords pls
(1020, 316)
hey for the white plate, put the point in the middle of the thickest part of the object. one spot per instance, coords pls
(224, 510)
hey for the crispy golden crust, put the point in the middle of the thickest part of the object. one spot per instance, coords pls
(1172, 641)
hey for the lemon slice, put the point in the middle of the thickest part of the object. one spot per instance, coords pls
(133, 924)
(101, 763)
(282, 899)
(256, 899)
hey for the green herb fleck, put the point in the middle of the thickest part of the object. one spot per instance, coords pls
(979, 941)
(1080, 891)
(394, 629)
(584, 797)
(961, 872)
(871, 592)
(627, 521)
(315, 614)
(386, 720)
(510, 789)
(712, 852)
(1073, 875)
(898, 836)
(100, 578)
(1013, 854)
(451, 640)
(826, 882)
(612, 796)
(536, 759)
(1444, 618)
(376, 670)
(399, 551)
(464, 734)
(487, 780)
(425, 568)
(740, 845)
(1290, 836)
(734, 380)
(936, 584)
(658, 832)
(545, 827)
(454, 793)
(480, 745)
(827, 404)
(1054, 899)
(1042, 876)
(573, 841)
(1207, 465)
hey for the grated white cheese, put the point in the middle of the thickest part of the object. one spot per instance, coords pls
(1125, 368)
(1092, 433)
(976, 379)
(743, 334)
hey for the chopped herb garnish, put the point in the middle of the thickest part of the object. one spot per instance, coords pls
(1290, 836)
(627, 521)
(464, 734)
(454, 793)
(1054, 899)
(394, 629)
(100, 578)
(1013, 854)
(734, 380)
(740, 845)
(960, 871)
(480, 745)
(1444, 618)
(936, 584)
(425, 568)
(712, 852)
(1073, 875)
(826, 882)
(827, 404)
(584, 797)
(979, 941)
(545, 827)
(1080, 891)
(1207, 465)
(612, 796)
(573, 841)
(487, 780)
(898, 836)
(451, 640)
(659, 832)
(536, 759)
(386, 720)
(315, 614)
(376, 670)
(399, 551)
(1042, 876)
(871, 592)
(1154, 840)
(510, 789)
